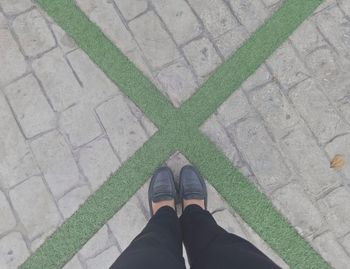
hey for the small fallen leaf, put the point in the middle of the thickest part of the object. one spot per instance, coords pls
(338, 161)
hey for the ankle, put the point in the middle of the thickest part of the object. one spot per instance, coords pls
(159, 205)
(200, 203)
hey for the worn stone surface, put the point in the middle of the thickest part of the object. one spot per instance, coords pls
(13, 251)
(33, 33)
(73, 264)
(230, 41)
(71, 201)
(8, 220)
(104, 259)
(12, 7)
(30, 106)
(131, 8)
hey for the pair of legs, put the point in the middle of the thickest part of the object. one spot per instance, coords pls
(208, 246)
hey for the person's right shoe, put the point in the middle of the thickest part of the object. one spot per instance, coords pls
(192, 185)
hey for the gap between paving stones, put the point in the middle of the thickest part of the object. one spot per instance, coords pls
(178, 130)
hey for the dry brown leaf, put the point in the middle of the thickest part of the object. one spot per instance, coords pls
(338, 161)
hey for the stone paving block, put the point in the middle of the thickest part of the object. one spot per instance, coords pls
(229, 42)
(58, 80)
(234, 108)
(98, 161)
(345, 6)
(13, 7)
(17, 162)
(287, 67)
(336, 28)
(105, 16)
(73, 264)
(346, 243)
(217, 134)
(65, 42)
(259, 78)
(202, 56)
(33, 33)
(131, 8)
(320, 115)
(178, 82)
(104, 259)
(179, 19)
(13, 251)
(13, 63)
(307, 38)
(310, 161)
(258, 150)
(97, 244)
(154, 41)
(30, 106)
(35, 207)
(274, 108)
(336, 208)
(215, 15)
(122, 127)
(269, 3)
(331, 251)
(80, 125)
(70, 202)
(56, 162)
(97, 86)
(296, 206)
(130, 214)
(227, 221)
(340, 145)
(8, 220)
(251, 13)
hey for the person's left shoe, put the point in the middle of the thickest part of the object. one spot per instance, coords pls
(162, 187)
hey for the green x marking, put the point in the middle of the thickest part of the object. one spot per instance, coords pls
(178, 129)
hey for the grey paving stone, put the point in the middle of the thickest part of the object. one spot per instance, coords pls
(336, 28)
(8, 220)
(73, 264)
(215, 15)
(96, 86)
(42, 216)
(58, 80)
(56, 162)
(234, 108)
(12, 7)
(98, 161)
(346, 243)
(70, 202)
(17, 162)
(251, 13)
(33, 33)
(259, 78)
(103, 260)
(80, 125)
(269, 3)
(202, 56)
(341, 145)
(295, 204)
(320, 115)
(274, 108)
(13, 251)
(13, 63)
(122, 127)
(178, 82)
(179, 19)
(30, 106)
(104, 15)
(310, 161)
(345, 6)
(154, 41)
(131, 8)
(227, 221)
(259, 151)
(331, 251)
(97, 244)
(230, 41)
(130, 214)
(286, 66)
(336, 207)
(65, 42)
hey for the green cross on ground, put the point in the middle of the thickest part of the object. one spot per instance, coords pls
(178, 129)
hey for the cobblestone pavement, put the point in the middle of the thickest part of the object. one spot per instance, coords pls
(65, 127)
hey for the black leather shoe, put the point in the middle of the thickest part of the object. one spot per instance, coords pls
(192, 185)
(162, 187)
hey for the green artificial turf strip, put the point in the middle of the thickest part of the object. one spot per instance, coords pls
(253, 206)
(178, 132)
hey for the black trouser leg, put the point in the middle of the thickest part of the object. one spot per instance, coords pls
(209, 246)
(158, 246)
